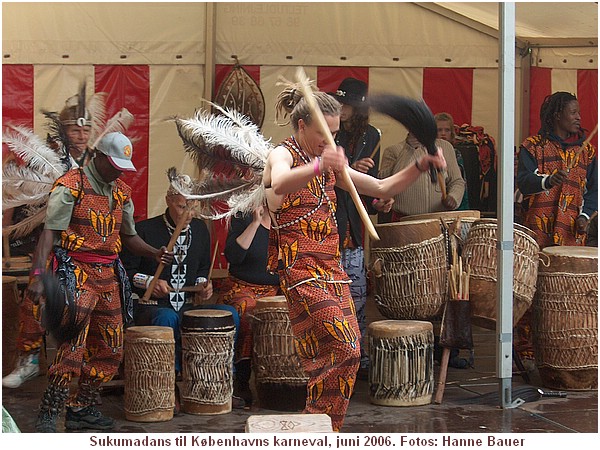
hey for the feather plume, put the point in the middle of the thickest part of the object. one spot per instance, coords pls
(232, 154)
(33, 151)
(117, 123)
(28, 178)
(34, 219)
(415, 115)
(97, 111)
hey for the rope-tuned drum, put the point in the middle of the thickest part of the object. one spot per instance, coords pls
(207, 341)
(410, 267)
(280, 380)
(149, 373)
(481, 254)
(401, 362)
(565, 318)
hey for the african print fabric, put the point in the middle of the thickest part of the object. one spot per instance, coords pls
(552, 214)
(90, 246)
(321, 309)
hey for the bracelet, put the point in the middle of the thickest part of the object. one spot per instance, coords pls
(374, 202)
(418, 167)
(36, 272)
(317, 166)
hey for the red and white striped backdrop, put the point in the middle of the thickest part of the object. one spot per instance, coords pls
(152, 93)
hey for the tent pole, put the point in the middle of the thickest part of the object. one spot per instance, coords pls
(505, 202)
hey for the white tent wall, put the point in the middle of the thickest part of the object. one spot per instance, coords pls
(395, 41)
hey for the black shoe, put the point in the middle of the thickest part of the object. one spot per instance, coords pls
(46, 422)
(458, 363)
(88, 417)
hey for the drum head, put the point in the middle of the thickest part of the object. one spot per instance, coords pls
(277, 301)
(150, 332)
(399, 234)
(207, 320)
(446, 215)
(569, 259)
(397, 328)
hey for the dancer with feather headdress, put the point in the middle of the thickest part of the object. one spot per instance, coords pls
(29, 172)
(298, 179)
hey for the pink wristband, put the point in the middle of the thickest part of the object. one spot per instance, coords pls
(317, 166)
(36, 272)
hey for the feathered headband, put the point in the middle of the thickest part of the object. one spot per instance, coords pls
(232, 155)
(34, 165)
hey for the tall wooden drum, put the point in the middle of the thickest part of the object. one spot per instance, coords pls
(410, 266)
(149, 373)
(280, 381)
(10, 324)
(401, 362)
(207, 341)
(565, 318)
(481, 254)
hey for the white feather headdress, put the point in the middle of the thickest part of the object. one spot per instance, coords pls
(232, 154)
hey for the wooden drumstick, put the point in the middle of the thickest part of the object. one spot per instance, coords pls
(182, 222)
(212, 264)
(584, 145)
(442, 183)
(322, 124)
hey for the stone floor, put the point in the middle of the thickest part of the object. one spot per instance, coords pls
(470, 405)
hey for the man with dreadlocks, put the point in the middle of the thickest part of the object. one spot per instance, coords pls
(69, 133)
(299, 178)
(558, 177)
(361, 142)
(89, 218)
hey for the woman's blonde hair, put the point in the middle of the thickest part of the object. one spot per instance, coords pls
(291, 102)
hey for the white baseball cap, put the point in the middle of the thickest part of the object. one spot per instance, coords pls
(117, 147)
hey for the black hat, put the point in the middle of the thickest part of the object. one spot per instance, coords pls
(351, 92)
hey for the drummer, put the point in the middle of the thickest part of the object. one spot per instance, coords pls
(422, 197)
(190, 268)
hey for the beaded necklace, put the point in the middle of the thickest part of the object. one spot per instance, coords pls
(320, 179)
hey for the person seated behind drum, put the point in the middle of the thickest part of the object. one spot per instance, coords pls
(423, 196)
(246, 251)
(189, 268)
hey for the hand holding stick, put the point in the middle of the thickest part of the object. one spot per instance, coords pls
(180, 225)
(322, 124)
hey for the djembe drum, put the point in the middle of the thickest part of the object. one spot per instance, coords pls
(207, 341)
(149, 373)
(401, 362)
(565, 318)
(280, 380)
(410, 267)
(10, 323)
(481, 254)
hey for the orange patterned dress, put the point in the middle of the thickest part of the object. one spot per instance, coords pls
(304, 247)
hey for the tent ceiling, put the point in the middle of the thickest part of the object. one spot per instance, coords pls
(537, 23)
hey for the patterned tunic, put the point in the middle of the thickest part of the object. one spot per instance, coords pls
(316, 287)
(92, 241)
(552, 213)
